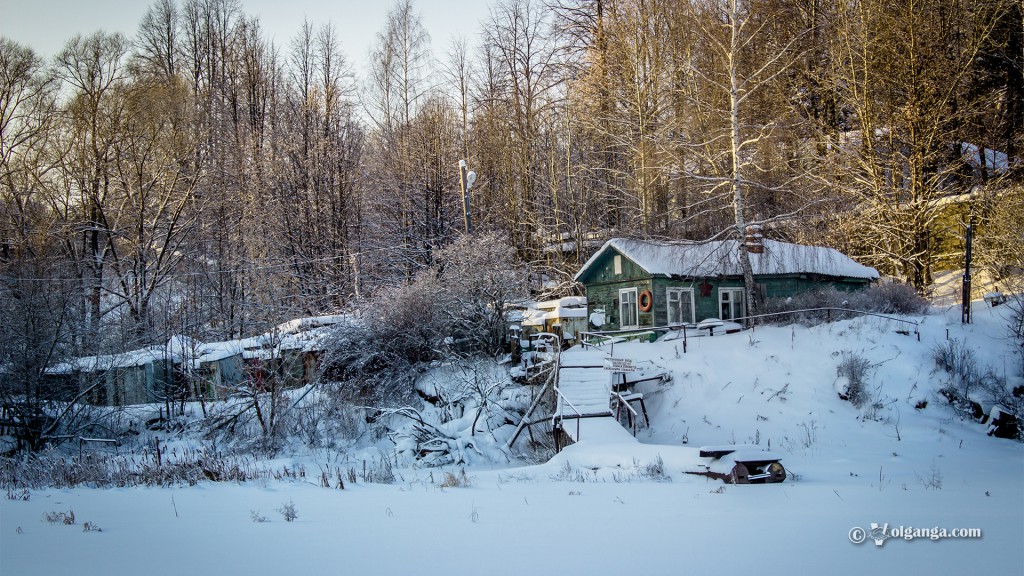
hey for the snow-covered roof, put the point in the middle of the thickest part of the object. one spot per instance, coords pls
(303, 324)
(533, 317)
(993, 160)
(270, 345)
(196, 352)
(131, 359)
(177, 350)
(218, 351)
(565, 302)
(721, 258)
(567, 307)
(305, 334)
(307, 340)
(182, 345)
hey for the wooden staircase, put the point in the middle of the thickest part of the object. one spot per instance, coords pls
(587, 404)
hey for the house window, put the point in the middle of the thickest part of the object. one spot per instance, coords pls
(680, 306)
(730, 303)
(617, 261)
(628, 313)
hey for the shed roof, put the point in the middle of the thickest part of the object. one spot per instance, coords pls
(303, 324)
(132, 359)
(721, 258)
(567, 307)
(303, 334)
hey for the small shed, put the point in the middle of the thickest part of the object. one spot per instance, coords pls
(565, 317)
(185, 367)
(220, 368)
(292, 351)
(644, 284)
(136, 377)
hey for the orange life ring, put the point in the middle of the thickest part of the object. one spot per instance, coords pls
(646, 301)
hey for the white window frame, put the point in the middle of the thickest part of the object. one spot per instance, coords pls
(732, 301)
(686, 293)
(631, 293)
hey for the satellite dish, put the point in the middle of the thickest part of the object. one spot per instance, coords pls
(470, 178)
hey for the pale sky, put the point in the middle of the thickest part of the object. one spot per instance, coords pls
(46, 25)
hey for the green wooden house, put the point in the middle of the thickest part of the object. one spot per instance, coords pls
(636, 284)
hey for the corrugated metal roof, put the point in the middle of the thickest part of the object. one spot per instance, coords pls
(721, 258)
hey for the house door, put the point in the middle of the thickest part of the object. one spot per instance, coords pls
(680, 306)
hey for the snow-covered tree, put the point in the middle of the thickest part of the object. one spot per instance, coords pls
(478, 278)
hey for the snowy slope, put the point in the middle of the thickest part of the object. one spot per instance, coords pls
(605, 507)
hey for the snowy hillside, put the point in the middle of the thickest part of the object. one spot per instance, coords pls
(904, 459)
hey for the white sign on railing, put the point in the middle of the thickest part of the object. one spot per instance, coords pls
(620, 365)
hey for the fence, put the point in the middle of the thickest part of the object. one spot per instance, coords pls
(599, 338)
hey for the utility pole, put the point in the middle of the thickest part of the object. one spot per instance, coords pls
(965, 294)
(466, 179)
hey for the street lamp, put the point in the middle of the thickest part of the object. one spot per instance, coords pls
(466, 179)
(965, 289)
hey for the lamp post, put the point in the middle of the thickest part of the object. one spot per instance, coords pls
(466, 179)
(965, 291)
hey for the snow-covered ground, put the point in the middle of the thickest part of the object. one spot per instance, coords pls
(603, 507)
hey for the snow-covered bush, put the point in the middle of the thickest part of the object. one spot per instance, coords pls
(288, 511)
(892, 298)
(421, 357)
(377, 360)
(480, 392)
(817, 306)
(852, 385)
(653, 470)
(972, 389)
(323, 419)
(34, 334)
(22, 495)
(932, 480)
(66, 518)
(957, 360)
(954, 357)
(478, 277)
(999, 248)
(456, 308)
(255, 418)
(419, 440)
(470, 407)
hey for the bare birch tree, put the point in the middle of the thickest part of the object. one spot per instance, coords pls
(741, 63)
